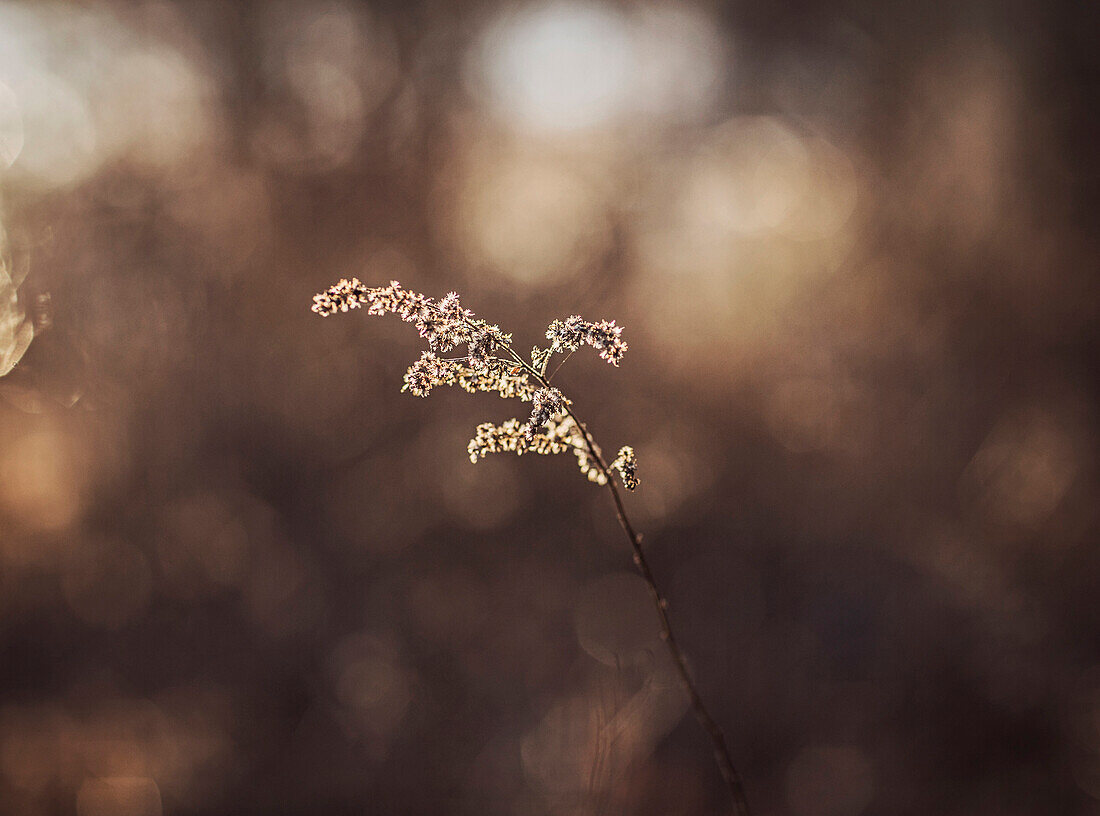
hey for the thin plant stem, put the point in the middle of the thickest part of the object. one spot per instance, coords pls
(714, 731)
(557, 368)
(718, 740)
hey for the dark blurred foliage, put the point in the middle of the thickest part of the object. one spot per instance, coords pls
(854, 248)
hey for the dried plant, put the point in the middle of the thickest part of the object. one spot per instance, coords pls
(492, 364)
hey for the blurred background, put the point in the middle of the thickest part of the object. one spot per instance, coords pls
(853, 245)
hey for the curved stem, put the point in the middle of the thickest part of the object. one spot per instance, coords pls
(718, 740)
(714, 731)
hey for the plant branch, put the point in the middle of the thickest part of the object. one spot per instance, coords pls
(349, 294)
(714, 731)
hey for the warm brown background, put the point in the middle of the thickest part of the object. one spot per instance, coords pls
(854, 248)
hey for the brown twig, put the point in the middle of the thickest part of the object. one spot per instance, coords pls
(718, 740)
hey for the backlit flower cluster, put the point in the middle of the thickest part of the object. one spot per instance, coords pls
(627, 465)
(573, 332)
(490, 364)
(546, 403)
(493, 375)
(559, 436)
(444, 324)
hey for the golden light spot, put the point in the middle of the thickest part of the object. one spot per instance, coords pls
(1023, 468)
(60, 144)
(157, 107)
(558, 66)
(679, 61)
(528, 216)
(755, 174)
(336, 64)
(571, 68)
(91, 89)
(728, 236)
(372, 685)
(119, 796)
(39, 484)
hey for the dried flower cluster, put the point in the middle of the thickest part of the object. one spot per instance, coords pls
(444, 324)
(495, 375)
(559, 436)
(490, 364)
(546, 402)
(627, 465)
(570, 334)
